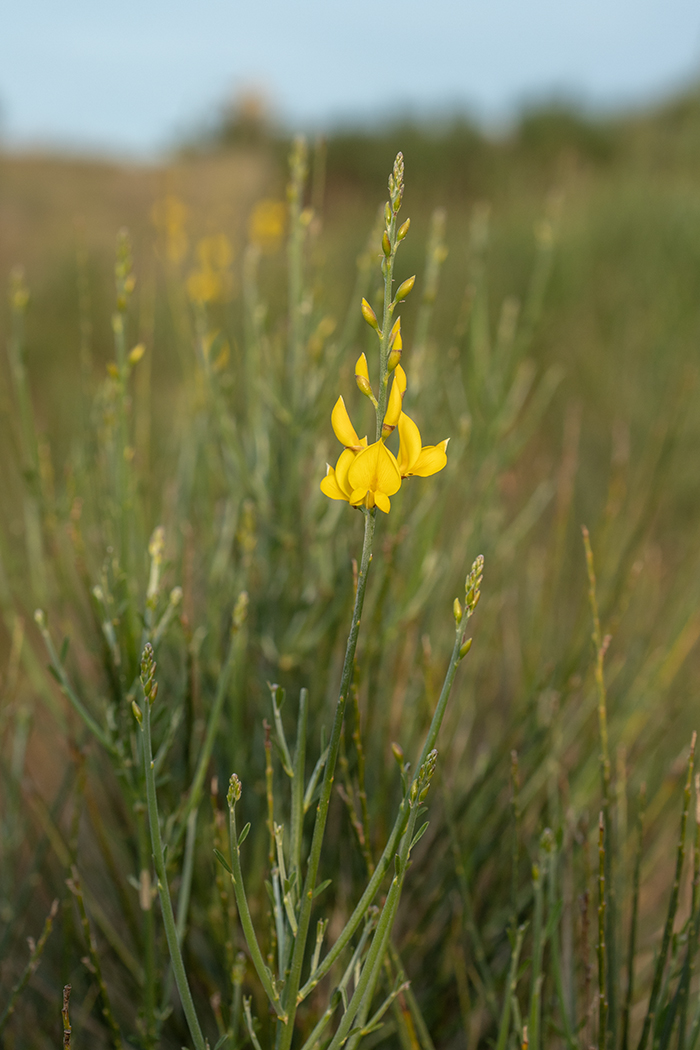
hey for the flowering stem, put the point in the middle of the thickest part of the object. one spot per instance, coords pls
(163, 891)
(397, 831)
(285, 1032)
(396, 192)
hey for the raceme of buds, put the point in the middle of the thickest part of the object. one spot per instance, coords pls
(148, 670)
(369, 315)
(472, 584)
(234, 790)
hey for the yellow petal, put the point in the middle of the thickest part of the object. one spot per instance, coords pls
(330, 486)
(410, 444)
(361, 368)
(382, 501)
(341, 471)
(431, 459)
(375, 470)
(342, 427)
(358, 496)
(398, 389)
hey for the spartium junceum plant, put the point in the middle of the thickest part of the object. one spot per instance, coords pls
(364, 974)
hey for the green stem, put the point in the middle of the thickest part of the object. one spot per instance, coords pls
(194, 795)
(632, 944)
(292, 986)
(602, 956)
(672, 906)
(362, 996)
(298, 788)
(149, 932)
(256, 955)
(30, 968)
(392, 843)
(537, 951)
(173, 940)
(389, 305)
(504, 1026)
(67, 690)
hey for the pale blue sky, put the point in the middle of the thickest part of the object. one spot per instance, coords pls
(128, 75)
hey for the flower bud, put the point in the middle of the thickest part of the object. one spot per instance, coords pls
(369, 315)
(138, 713)
(405, 288)
(397, 752)
(137, 353)
(387, 213)
(394, 358)
(465, 648)
(403, 229)
(234, 790)
(457, 611)
(362, 376)
(386, 244)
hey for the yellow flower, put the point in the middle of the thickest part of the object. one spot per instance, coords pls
(212, 281)
(415, 458)
(368, 477)
(335, 484)
(343, 428)
(266, 226)
(374, 476)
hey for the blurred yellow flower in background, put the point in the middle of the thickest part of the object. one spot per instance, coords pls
(266, 226)
(212, 280)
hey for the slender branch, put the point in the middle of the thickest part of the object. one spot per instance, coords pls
(294, 979)
(150, 689)
(34, 960)
(672, 906)
(263, 971)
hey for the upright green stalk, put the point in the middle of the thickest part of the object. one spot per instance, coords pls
(285, 1032)
(150, 690)
(602, 953)
(390, 242)
(650, 1019)
(601, 644)
(632, 945)
(511, 985)
(459, 651)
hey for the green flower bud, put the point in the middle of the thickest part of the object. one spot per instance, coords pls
(404, 289)
(465, 648)
(457, 611)
(403, 229)
(234, 790)
(386, 244)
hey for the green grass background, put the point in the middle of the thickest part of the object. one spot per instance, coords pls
(590, 416)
